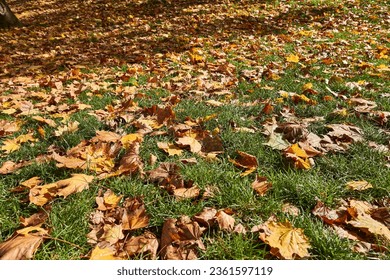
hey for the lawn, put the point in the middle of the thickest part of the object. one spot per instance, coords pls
(195, 130)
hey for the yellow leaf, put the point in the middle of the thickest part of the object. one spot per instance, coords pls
(289, 242)
(106, 253)
(364, 221)
(358, 185)
(307, 86)
(75, 184)
(194, 144)
(292, 58)
(128, 139)
(170, 149)
(10, 145)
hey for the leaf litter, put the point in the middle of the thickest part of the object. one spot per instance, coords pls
(35, 91)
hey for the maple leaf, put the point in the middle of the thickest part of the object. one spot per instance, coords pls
(107, 136)
(112, 233)
(106, 253)
(49, 122)
(23, 244)
(224, 220)
(261, 185)
(183, 193)
(286, 241)
(67, 129)
(10, 145)
(292, 58)
(180, 239)
(299, 156)
(170, 149)
(358, 185)
(77, 183)
(245, 161)
(195, 146)
(134, 215)
(206, 217)
(7, 127)
(145, 244)
(109, 200)
(10, 167)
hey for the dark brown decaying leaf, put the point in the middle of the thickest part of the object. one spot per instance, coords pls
(180, 239)
(146, 244)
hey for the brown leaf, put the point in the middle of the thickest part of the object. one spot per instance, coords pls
(109, 200)
(180, 239)
(35, 219)
(170, 149)
(224, 220)
(261, 185)
(77, 183)
(9, 167)
(206, 217)
(184, 193)
(245, 161)
(107, 136)
(106, 253)
(328, 215)
(23, 244)
(145, 244)
(112, 233)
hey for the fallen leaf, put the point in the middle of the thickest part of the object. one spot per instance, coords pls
(246, 161)
(134, 214)
(23, 244)
(261, 185)
(77, 183)
(292, 58)
(195, 146)
(106, 253)
(224, 220)
(286, 241)
(109, 200)
(358, 185)
(170, 149)
(146, 244)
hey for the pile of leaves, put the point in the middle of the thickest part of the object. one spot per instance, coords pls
(102, 93)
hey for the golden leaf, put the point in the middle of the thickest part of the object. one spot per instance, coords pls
(107, 253)
(358, 185)
(194, 144)
(292, 58)
(170, 149)
(289, 242)
(75, 184)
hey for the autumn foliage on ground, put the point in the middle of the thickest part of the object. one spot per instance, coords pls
(195, 130)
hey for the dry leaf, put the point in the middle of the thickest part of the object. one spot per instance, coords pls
(286, 241)
(106, 253)
(170, 149)
(77, 183)
(245, 161)
(358, 185)
(261, 185)
(134, 215)
(195, 146)
(145, 244)
(23, 244)
(224, 220)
